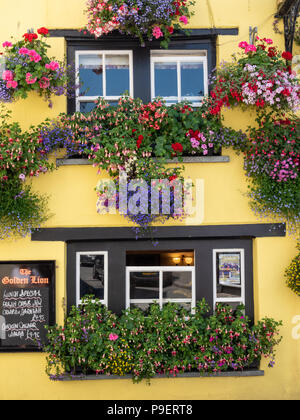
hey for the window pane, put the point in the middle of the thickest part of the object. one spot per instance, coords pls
(228, 275)
(92, 275)
(117, 74)
(144, 285)
(165, 79)
(90, 74)
(177, 285)
(192, 79)
(87, 106)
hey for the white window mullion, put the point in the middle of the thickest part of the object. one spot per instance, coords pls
(104, 76)
(179, 80)
(160, 289)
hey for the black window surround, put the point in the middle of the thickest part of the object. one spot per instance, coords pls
(197, 40)
(204, 268)
(203, 239)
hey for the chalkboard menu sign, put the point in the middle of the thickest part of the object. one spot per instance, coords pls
(27, 304)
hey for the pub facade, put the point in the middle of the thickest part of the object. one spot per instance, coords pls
(222, 251)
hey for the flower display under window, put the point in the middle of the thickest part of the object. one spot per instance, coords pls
(260, 76)
(144, 19)
(29, 68)
(166, 341)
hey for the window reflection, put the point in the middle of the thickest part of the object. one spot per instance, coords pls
(92, 275)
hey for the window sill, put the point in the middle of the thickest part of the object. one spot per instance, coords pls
(187, 159)
(232, 374)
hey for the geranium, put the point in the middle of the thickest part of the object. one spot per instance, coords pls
(157, 33)
(43, 31)
(6, 44)
(144, 19)
(287, 56)
(257, 77)
(177, 147)
(29, 68)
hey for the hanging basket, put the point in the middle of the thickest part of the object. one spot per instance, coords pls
(143, 19)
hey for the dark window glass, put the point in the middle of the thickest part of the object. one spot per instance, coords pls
(177, 285)
(144, 285)
(92, 275)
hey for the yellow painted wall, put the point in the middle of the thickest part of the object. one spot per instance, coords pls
(73, 202)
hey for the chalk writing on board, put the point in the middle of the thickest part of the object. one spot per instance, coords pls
(26, 294)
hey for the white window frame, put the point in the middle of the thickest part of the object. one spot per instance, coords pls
(161, 270)
(215, 272)
(79, 53)
(178, 57)
(78, 255)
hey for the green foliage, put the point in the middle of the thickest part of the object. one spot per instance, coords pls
(163, 341)
(272, 163)
(292, 273)
(21, 158)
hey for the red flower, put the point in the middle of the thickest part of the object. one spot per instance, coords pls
(43, 31)
(172, 178)
(139, 141)
(177, 147)
(170, 29)
(30, 36)
(286, 92)
(287, 56)
(272, 52)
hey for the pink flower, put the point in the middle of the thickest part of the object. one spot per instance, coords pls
(8, 75)
(113, 337)
(34, 56)
(157, 33)
(183, 19)
(268, 41)
(23, 51)
(12, 84)
(250, 48)
(29, 79)
(243, 44)
(44, 83)
(6, 44)
(52, 66)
